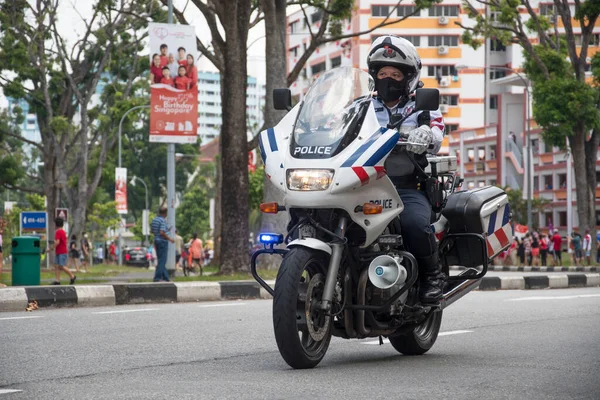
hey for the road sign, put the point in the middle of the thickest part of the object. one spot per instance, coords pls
(35, 220)
(62, 213)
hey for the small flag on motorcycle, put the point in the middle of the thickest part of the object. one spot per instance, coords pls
(270, 238)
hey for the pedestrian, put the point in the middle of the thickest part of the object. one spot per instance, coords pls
(527, 244)
(73, 253)
(544, 249)
(196, 249)
(100, 254)
(60, 252)
(178, 248)
(587, 246)
(577, 248)
(557, 246)
(551, 249)
(521, 252)
(112, 252)
(3, 224)
(160, 230)
(511, 259)
(535, 250)
(85, 251)
(597, 248)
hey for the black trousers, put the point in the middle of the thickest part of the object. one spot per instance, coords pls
(416, 223)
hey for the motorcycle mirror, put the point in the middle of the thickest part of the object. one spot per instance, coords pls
(427, 99)
(282, 99)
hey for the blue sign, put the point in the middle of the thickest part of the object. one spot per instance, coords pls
(33, 220)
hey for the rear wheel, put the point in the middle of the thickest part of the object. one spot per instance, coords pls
(302, 329)
(421, 339)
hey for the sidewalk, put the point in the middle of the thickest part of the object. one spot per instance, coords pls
(116, 293)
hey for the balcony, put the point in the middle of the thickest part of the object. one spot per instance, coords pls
(492, 165)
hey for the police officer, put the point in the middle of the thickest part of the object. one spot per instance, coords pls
(395, 66)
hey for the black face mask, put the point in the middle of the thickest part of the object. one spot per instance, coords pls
(389, 89)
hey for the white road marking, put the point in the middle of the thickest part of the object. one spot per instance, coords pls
(385, 341)
(127, 311)
(554, 297)
(28, 317)
(222, 305)
(7, 391)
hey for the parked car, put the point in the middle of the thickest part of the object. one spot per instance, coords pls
(136, 256)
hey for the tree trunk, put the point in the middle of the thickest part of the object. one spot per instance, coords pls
(591, 157)
(577, 142)
(276, 54)
(234, 189)
(218, 215)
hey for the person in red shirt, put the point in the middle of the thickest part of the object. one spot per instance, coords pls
(191, 71)
(182, 82)
(164, 57)
(557, 241)
(182, 60)
(60, 249)
(167, 80)
(156, 70)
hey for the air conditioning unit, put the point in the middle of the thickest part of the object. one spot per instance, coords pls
(444, 108)
(443, 50)
(443, 20)
(444, 82)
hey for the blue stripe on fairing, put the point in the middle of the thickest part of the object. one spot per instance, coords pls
(492, 224)
(382, 151)
(506, 216)
(363, 148)
(263, 155)
(272, 141)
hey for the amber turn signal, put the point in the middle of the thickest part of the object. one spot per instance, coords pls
(370, 208)
(269, 208)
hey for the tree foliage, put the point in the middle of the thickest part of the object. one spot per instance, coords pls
(193, 212)
(518, 206)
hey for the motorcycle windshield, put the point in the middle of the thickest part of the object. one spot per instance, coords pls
(331, 111)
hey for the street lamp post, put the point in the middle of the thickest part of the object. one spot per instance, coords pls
(146, 210)
(120, 243)
(528, 167)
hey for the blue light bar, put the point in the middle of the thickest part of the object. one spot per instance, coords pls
(270, 238)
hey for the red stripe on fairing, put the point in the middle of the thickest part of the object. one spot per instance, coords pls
(362, 175)
(381, 172)
(490, 249)
(502, 238)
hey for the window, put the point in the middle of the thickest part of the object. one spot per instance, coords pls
(415, 40)
(441, 70)
(493, 102)
(294, 27)
(315, 17)
(536, 183)
(496, 45)
(547, 9)
(315, 69)
(448, 11)
(435, 41)
(380, 11)
(405, 11)
(208, 103)
(492, 152)
(303, 73)
(449, 99)
(294, 51)
(548, 218)
(547, 182)
(451, 128)
(336, 62)
(562, 218)
(497, 73)
(562, 181)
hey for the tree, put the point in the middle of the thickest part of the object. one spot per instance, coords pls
(11, 170)
(193, 212)
(60, 81)
(101, 217)
(518, 206)
(565, 106)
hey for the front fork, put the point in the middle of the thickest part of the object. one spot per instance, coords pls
(337, 249)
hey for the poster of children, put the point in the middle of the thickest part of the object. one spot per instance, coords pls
(173, 84)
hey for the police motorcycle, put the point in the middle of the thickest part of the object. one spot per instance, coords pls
(345, 271)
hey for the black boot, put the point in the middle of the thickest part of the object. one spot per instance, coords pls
(432, 279)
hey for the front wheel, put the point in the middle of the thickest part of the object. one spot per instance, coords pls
(302, 329)
(421, 339)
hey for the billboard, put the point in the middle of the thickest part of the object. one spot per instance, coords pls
(121, 190)
(173, 84)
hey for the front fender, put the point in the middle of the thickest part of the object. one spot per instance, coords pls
(311, 243)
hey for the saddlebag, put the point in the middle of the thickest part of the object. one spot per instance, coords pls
(482, 211)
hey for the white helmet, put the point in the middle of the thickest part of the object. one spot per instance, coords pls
(396, 52)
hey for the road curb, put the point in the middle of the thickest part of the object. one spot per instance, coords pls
(17, 298)
(500, 268)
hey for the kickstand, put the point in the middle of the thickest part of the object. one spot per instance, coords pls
(380, 340)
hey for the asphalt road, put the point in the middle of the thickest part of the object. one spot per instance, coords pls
(536, 344)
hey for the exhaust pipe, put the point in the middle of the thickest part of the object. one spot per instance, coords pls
(458, 291)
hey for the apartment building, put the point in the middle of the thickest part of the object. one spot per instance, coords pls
(486, 106)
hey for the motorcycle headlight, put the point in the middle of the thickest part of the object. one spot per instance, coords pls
(309, 179)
